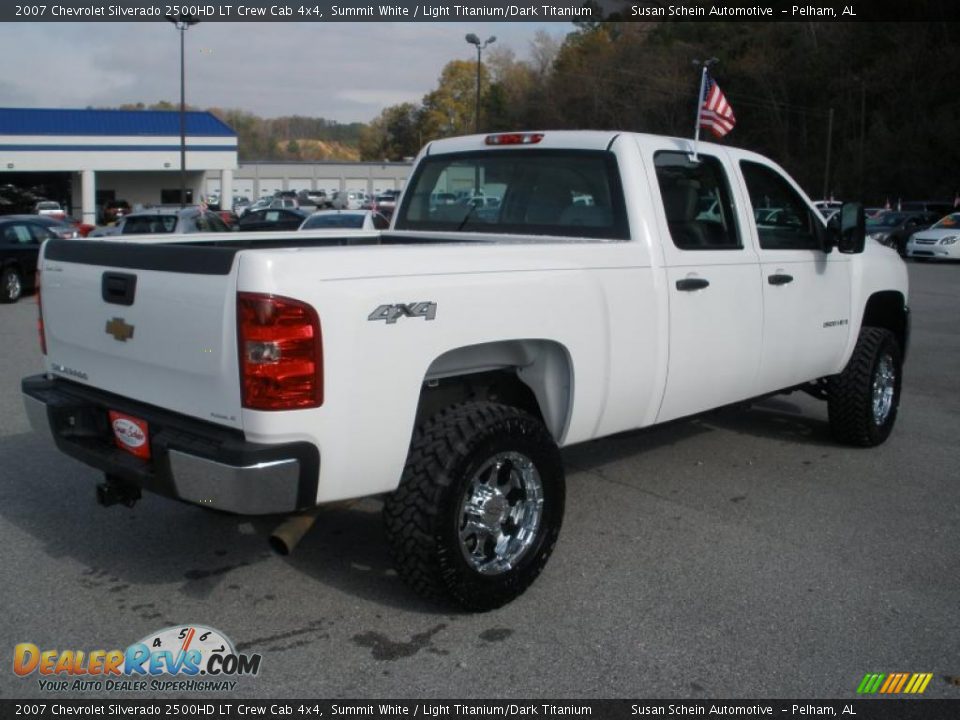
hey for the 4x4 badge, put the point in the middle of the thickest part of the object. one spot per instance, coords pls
(391, 313)
(119, 329)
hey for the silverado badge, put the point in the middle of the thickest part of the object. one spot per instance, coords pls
(119, 329)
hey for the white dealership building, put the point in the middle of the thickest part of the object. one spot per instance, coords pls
(85, 158)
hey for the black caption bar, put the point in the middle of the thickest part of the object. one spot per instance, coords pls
(456, 709)
(480, 10)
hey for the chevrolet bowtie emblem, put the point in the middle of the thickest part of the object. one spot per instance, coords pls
(119, 329)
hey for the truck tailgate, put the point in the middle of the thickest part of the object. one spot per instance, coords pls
(155, 323)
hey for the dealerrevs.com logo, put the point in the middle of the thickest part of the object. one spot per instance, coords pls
(183, 658)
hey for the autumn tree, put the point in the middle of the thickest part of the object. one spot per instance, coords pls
(392, 135)
(449, 110)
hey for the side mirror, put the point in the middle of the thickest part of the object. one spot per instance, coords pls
(853, 229)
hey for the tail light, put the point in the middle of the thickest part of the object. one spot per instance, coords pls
(40, 329)
(281, 354)
(514, 139)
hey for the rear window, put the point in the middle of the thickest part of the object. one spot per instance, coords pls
(572, 193)
(335, 220)
(149, 224)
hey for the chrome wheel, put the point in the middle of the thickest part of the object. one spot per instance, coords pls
(884, 383)
(12, 287)
(500, 513)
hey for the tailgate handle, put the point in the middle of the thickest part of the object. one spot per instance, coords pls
(118, 288)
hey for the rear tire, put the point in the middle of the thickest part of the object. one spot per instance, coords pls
(11, 285)
(479, 507)
(863, 399)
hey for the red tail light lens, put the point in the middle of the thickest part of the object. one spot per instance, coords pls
(281, 356)
(40, 329)
(514, 139)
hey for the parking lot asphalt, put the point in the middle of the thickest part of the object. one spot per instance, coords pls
(738, 554)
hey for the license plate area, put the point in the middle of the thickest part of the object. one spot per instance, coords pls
(130, 434)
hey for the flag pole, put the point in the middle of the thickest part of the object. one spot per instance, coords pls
(696, 122)
(703, 88)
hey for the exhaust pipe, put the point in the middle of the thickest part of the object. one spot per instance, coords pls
(290, 532)
(116, 491)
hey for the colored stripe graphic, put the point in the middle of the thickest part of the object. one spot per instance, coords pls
(894, 683)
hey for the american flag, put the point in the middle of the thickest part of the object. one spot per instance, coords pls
(716, 114)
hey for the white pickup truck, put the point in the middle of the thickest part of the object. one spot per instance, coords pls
(607, 281)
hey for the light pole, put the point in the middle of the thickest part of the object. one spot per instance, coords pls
(474, 40)
(182, 21)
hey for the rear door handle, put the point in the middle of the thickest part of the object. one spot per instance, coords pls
(688, 284)
(779, 279)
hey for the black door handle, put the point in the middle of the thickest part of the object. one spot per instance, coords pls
(779, 279)
(692, 284)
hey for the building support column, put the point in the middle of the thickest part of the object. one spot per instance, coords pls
(226, 189)
(88, 195)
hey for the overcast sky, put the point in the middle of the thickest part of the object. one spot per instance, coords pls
(341, 71)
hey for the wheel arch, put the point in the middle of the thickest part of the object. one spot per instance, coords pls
(888, 309)
(535, 375)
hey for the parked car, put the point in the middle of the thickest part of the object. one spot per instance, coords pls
(940, 241)
(66, 228)
(162, 220)
(240, 205)
(360, 219)
(385, 203)
(892, 228)
(316, 197)
(49, 207)
(271, 218)
(113, 210)
(20, 239)
(347, 200)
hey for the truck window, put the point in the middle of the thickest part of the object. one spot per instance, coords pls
(696, 202)
(784, 221)
(571, 193)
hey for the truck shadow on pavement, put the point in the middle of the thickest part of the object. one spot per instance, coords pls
(129, 558)
(771, 419)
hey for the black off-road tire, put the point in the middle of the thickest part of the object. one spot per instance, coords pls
(11, 285)
(850, 402)
(423, 517)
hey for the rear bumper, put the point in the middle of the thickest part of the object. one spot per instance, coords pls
(191, 460)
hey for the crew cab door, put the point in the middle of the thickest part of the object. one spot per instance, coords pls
(715, 311)
(806, 291)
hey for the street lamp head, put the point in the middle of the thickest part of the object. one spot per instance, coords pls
(491, 39)
(181, 20)
(473, 39)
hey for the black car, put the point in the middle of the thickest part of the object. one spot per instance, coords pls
(20, 240)
(272, 219)
(893, 228)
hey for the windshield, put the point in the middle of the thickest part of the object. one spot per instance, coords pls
(572, 193)
(950, 221)
(333, 220)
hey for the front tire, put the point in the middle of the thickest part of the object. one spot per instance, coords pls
(11, 285)
(479, 507)
(863, 399)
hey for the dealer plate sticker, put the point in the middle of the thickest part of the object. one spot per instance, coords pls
(131, 434)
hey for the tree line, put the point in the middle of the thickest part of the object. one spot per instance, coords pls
(283, 138)
(892, 133)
